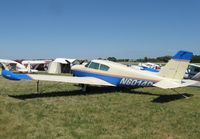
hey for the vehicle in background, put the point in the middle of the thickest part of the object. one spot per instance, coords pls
(192, 71)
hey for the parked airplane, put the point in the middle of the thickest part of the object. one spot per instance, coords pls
(34, 66)
(151, 67)
(107, 73)
(13, 65)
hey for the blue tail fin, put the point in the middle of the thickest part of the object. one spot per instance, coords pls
(183, 55)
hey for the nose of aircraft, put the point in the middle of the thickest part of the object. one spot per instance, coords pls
(73, 67)
(76, 67)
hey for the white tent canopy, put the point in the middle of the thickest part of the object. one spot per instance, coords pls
(54, 68)
(61, 65)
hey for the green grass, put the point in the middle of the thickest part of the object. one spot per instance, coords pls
(62, 111)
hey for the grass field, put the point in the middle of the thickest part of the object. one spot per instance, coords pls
(62, 111)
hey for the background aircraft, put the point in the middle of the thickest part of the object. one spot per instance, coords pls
(12, 65)
(36, 65)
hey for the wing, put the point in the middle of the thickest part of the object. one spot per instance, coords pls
(170, 83)
(67, 79)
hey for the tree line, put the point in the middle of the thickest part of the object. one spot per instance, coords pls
(195, 59)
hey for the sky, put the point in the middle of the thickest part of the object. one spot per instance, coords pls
(87, 29)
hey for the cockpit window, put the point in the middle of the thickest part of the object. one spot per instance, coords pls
(97, 66)
(104, 67)
(94, 65)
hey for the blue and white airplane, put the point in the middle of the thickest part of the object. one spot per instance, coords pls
(107, 73)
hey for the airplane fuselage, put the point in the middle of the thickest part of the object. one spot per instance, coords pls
(117, 74)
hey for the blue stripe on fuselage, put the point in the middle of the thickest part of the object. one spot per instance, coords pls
(117, 81)
(113, 80)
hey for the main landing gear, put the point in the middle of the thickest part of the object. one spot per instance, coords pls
(37, 86)
(83, 87)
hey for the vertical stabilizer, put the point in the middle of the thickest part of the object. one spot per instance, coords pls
(176, 67)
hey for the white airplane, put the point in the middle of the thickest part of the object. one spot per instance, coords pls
(107, 73)
(151, 67)
(32, 65)
(13, 65)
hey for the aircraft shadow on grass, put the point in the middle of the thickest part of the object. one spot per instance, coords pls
(161, 98)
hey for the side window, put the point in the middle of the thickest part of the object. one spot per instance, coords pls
(94, 65)
(104, 67)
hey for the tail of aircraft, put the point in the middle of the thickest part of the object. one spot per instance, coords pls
(176, 67)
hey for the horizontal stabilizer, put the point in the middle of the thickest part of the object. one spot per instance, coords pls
(192, 83)
(169, 84)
